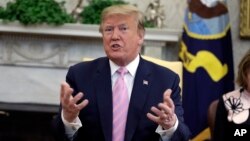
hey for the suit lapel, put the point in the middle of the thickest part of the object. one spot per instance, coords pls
(138, 98)
(104, 98)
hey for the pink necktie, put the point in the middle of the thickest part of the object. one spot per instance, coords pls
(120, 106)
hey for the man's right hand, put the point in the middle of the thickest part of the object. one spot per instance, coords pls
(70, 108)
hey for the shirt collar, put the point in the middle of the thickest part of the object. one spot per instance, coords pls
(131, 67)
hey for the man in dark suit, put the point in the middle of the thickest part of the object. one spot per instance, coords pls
(88, 107)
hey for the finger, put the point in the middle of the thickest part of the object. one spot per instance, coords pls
(66, 93)
(158, 112)
(166, 109)
(153, 117)
(167, 99)
(83, 104)
(167, 93)
(77, 97)
(63, 87)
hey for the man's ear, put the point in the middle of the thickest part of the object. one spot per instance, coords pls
(141, 36)
(140, 42)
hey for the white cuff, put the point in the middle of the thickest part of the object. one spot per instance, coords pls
(167, 134)
(71, 128)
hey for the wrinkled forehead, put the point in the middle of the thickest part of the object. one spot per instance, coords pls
(119, 20)
(119, 16)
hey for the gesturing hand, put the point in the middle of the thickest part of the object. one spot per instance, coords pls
(164, 114)
(70, 108)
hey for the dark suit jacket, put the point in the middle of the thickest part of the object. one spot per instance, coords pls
(94, 80)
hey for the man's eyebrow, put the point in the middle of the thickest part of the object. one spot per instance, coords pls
(123, 24)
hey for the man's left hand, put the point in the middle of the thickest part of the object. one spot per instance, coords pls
(164, 114)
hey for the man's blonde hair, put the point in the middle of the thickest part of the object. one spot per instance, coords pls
(124, 9)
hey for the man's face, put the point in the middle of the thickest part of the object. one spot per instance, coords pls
(121, 38)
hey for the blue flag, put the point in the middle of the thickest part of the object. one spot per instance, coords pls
(206, 53)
